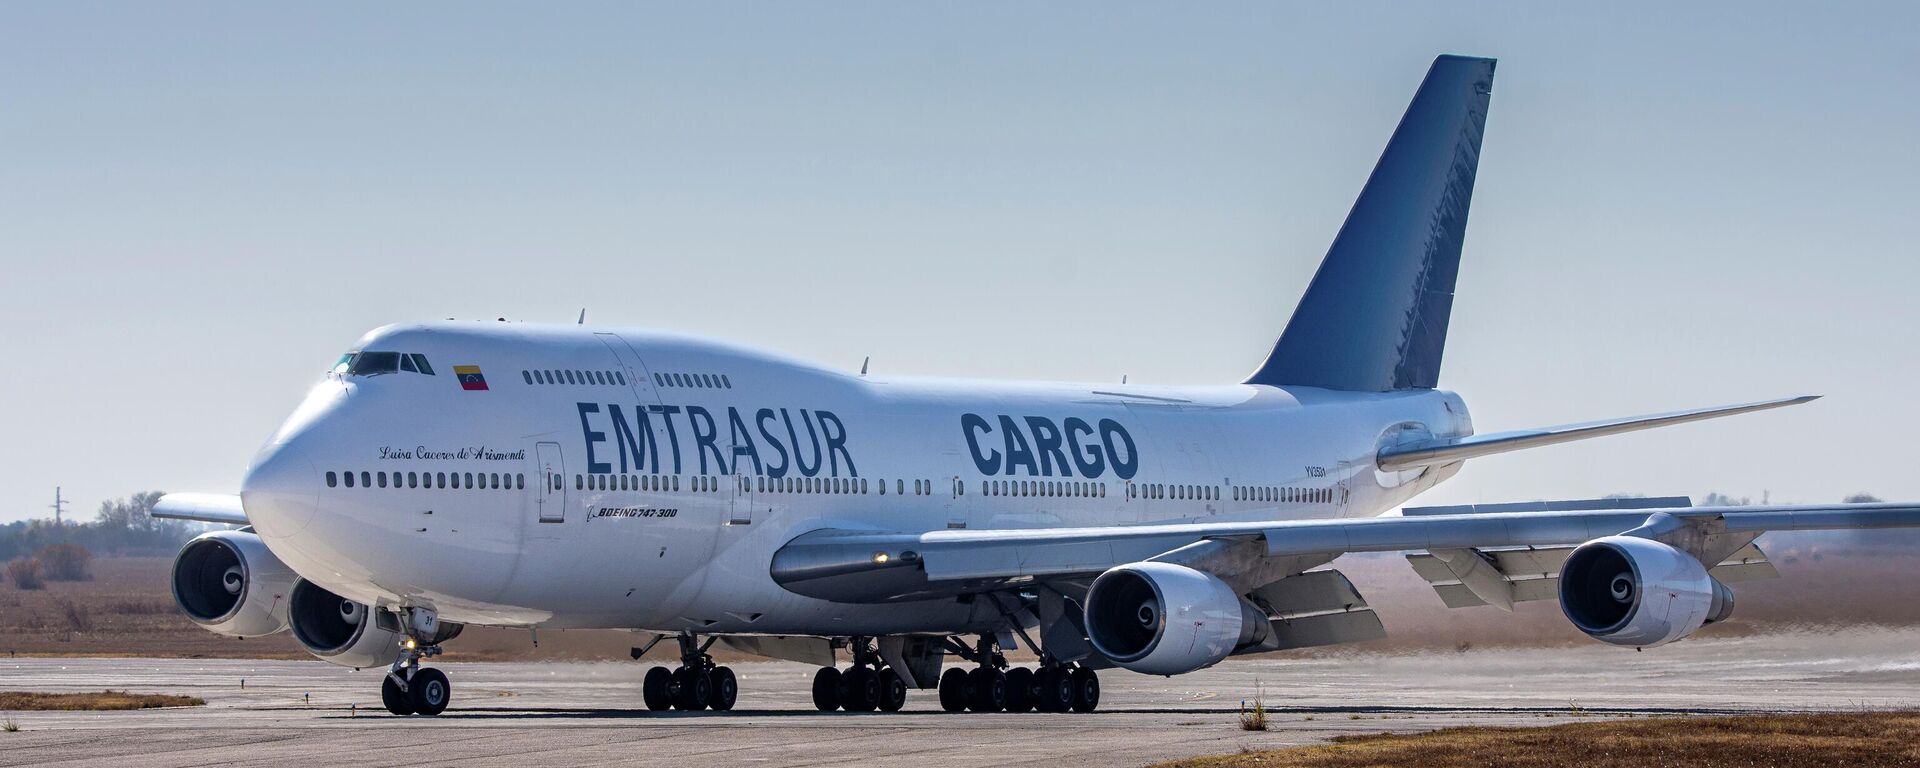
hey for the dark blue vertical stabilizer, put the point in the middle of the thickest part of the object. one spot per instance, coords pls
(1375, 316)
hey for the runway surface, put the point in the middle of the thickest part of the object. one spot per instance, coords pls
(314, 714)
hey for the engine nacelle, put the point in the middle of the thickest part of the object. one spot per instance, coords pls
(342, 631)
(1625, 590)
(1167, 619)
(228, 582)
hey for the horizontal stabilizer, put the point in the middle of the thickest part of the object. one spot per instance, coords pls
(223, 508)
(1449, 450)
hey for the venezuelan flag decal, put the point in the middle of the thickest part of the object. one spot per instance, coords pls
(470, 378)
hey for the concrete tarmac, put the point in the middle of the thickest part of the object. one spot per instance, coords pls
(568, 714)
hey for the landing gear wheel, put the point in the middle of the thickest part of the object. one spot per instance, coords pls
(429, 691)
(1053, 688)
(989, 690)
(725, 689)
(826, 689)
(656, 689)
(861, 690)
(893, 690)
(1020, 689)
(1086, 689)
(692, 689)
(954, 690)
(396, 700)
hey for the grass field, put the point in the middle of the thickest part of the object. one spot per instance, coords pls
(25, 701)
(1869, 740)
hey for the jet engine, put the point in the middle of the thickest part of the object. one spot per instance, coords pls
(228, 582)
(1625, 590)
(342, 631)
(1167, 619)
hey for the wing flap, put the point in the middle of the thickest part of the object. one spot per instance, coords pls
(1533, 573)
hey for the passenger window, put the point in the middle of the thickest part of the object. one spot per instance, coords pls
(332, 479)
(413, 480)
(528, 376)
(519, 481)
(620, 378)
(366, 480)
(724, 383)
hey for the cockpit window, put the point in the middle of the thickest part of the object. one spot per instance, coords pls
(368, 363)
(371, 363)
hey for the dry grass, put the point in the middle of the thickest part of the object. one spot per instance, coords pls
(1864, 740)
(104, 700)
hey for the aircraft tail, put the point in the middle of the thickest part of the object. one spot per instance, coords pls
(1374, 318)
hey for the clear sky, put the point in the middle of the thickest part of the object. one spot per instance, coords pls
(202, 204)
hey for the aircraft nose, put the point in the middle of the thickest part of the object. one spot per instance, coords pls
(281, 490)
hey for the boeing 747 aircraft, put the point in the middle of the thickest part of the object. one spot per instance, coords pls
(905, 533)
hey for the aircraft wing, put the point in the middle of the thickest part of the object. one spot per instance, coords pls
(201, 507)
(870, 566)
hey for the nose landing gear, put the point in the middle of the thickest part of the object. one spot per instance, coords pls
(411, 689)
(696, 684)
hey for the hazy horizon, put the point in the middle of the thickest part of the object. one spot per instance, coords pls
(1676, 206)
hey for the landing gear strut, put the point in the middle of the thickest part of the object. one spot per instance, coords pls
(411, 689)
(866, 686)
(696, 684)
(993, 686)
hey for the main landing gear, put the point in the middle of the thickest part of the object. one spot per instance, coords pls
(694, 685)
(867, 686)
(994, 686)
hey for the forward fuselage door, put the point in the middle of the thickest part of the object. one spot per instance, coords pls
(741, 505)
(551, 498)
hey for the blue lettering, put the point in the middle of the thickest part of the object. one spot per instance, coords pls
(1046, 443)
(795, 438)
(1087, 458)
(1018, 454)
(1110, 429)
(742, 442)
(836, 443)
(760, 419)
(704, 435)
(587, 431)
(666, 415)
(974, 426)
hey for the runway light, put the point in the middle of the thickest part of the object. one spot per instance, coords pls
(880, 558)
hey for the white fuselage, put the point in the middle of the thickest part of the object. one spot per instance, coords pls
(649, 487)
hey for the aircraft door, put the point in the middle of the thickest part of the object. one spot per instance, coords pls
(741, 511)
(551, 498)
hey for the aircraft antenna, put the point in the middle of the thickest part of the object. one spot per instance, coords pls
(583, 316)
(863, 364)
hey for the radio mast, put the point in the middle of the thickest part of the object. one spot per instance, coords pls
(58, 504)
